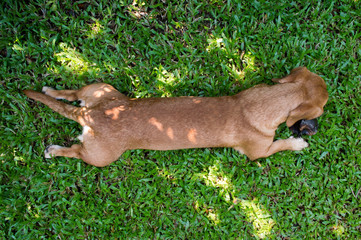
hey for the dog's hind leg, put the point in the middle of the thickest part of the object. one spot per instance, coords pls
(91, 156)
(88, 95)
(64, 109)
(70, 95)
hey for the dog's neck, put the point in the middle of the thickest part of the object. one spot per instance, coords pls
(294, 94)
(279, 110)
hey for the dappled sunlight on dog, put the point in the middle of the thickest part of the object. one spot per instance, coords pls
(114, 112)
(85, 117)
(102, 91)
(170, 133)
(196, 101)
(156, 123)
(192, 134)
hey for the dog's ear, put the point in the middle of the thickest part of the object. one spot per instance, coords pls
(304, 111)
(295, 74)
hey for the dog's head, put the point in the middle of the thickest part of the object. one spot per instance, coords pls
(305, 127)
(314, 91)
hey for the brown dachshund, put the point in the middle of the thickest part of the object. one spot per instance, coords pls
(113, 123)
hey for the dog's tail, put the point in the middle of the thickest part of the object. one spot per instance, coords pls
(64, 109)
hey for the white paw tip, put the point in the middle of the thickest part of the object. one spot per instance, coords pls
(299, 144)
(48, 151)
(80, 137)
(45, 89)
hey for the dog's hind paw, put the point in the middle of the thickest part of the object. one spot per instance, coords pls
(46, 90)
(49, 150)
(298, 143)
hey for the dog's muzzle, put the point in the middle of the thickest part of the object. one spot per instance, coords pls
(305, 127)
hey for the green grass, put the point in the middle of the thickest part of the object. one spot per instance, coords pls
(202, 48)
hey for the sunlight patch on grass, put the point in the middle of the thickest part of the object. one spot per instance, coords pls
(209, 212)
(261, 219)
(338, 229)
(215, 178)
(248, 63)
(74, 62)
(19, 160)
(167, 174)
(164, 76)
(202, 208)
(136, 9)
(165, 79)
(17, 47)
(235, 72)
(96, 29)
(35, 213)
(238, 62)
(213, 216)
(215, 43)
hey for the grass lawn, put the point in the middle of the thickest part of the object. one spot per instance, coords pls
(175, 48)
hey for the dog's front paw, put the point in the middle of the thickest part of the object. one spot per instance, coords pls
(50, 150)
(298, 143)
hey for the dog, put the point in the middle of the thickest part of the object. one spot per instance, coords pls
(113, 123)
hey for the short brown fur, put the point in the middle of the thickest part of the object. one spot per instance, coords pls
(113, 123)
